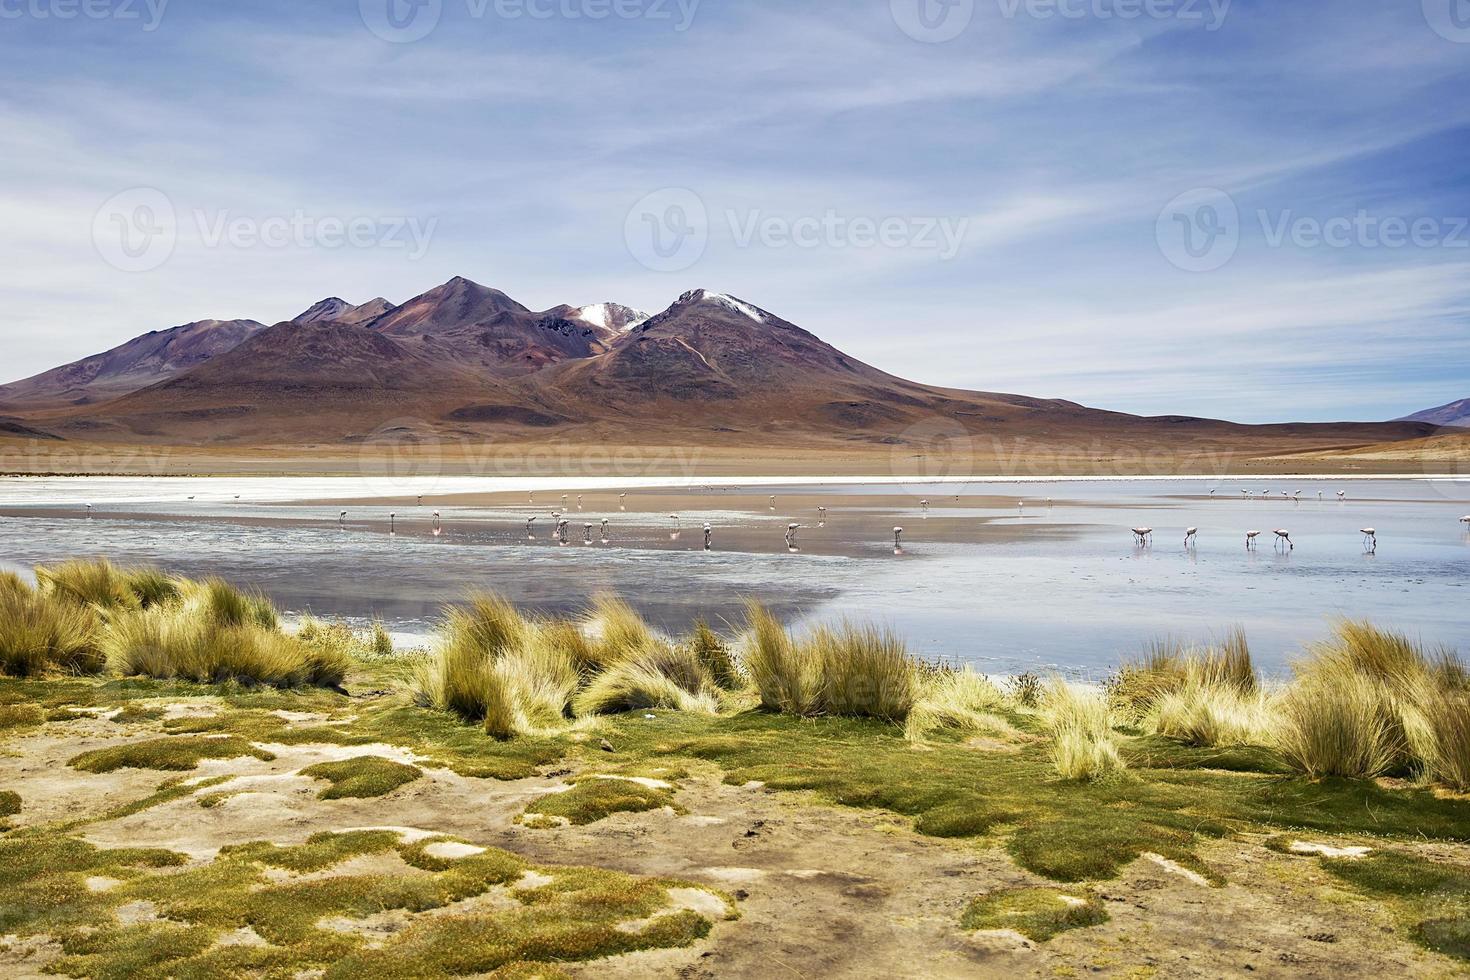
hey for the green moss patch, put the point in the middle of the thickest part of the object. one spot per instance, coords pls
(179, 753)
(1036, 913)
(1431, 899)
(363, 777)
(44, 890)
(592, 800)
(14, 717)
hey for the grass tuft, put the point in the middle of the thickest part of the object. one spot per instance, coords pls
(364, 777)
(1084, 746)
(594, 799)
(178, 753)
(1036, 913)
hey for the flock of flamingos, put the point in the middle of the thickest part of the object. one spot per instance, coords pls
(1142, 536)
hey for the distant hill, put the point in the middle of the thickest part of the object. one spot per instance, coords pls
(1454, 414)
(155, 356)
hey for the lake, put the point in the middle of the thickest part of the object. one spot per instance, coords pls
(1004, 575)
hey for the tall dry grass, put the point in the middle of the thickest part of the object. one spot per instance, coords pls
(1084, 746)
(1370, 701)
(786, 674)
(959, 701)
(39, 635)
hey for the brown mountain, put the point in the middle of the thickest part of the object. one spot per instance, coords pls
(334, 308)
(464, 323)
(463, 360)
(155, 356)
(1455, 414)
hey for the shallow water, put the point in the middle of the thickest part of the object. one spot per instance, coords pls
(1009, 576)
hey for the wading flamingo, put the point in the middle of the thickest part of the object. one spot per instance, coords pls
(1283, 536)
(530, 529)
(898, 541)
(1250, 538)
(1143, 535)
(438, 526)
(1370, 537)
(1189, 535)
(708, 537)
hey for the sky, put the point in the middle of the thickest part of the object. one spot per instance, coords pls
(1250, 210)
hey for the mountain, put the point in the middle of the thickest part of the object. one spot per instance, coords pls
(302, 380)
(610, 316)
(465, 323)
(334, 308)
(155, 356)
(464, 361)
(1454, 414)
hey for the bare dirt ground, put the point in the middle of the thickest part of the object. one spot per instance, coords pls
(822, 891)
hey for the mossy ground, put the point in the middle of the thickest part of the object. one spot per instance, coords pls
(1036, 913)
(364, 777)
(46, 887)
(595, 799)
(1172, 800)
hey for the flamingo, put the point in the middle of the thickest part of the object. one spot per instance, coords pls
(392, 523)
(1465, 519)
(1212, 493)
(1284, 536)
(1250, 538)
(708, 536)
(1319, 494)
(791, 530)
(622, 498)
(1189, 535)
(1370, 537)
(579, 501)
(925, 504)
(421, 500)
(773, 502)
(604, 530)
(438, 527)
(587, 533)
(898, 541)
(1342, 495)
(561, 530)
(1247, 494)
(1143, 535)
(530, 529)
(342, 519)
(89, 510)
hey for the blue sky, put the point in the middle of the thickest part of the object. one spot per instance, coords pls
(1064, 147)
